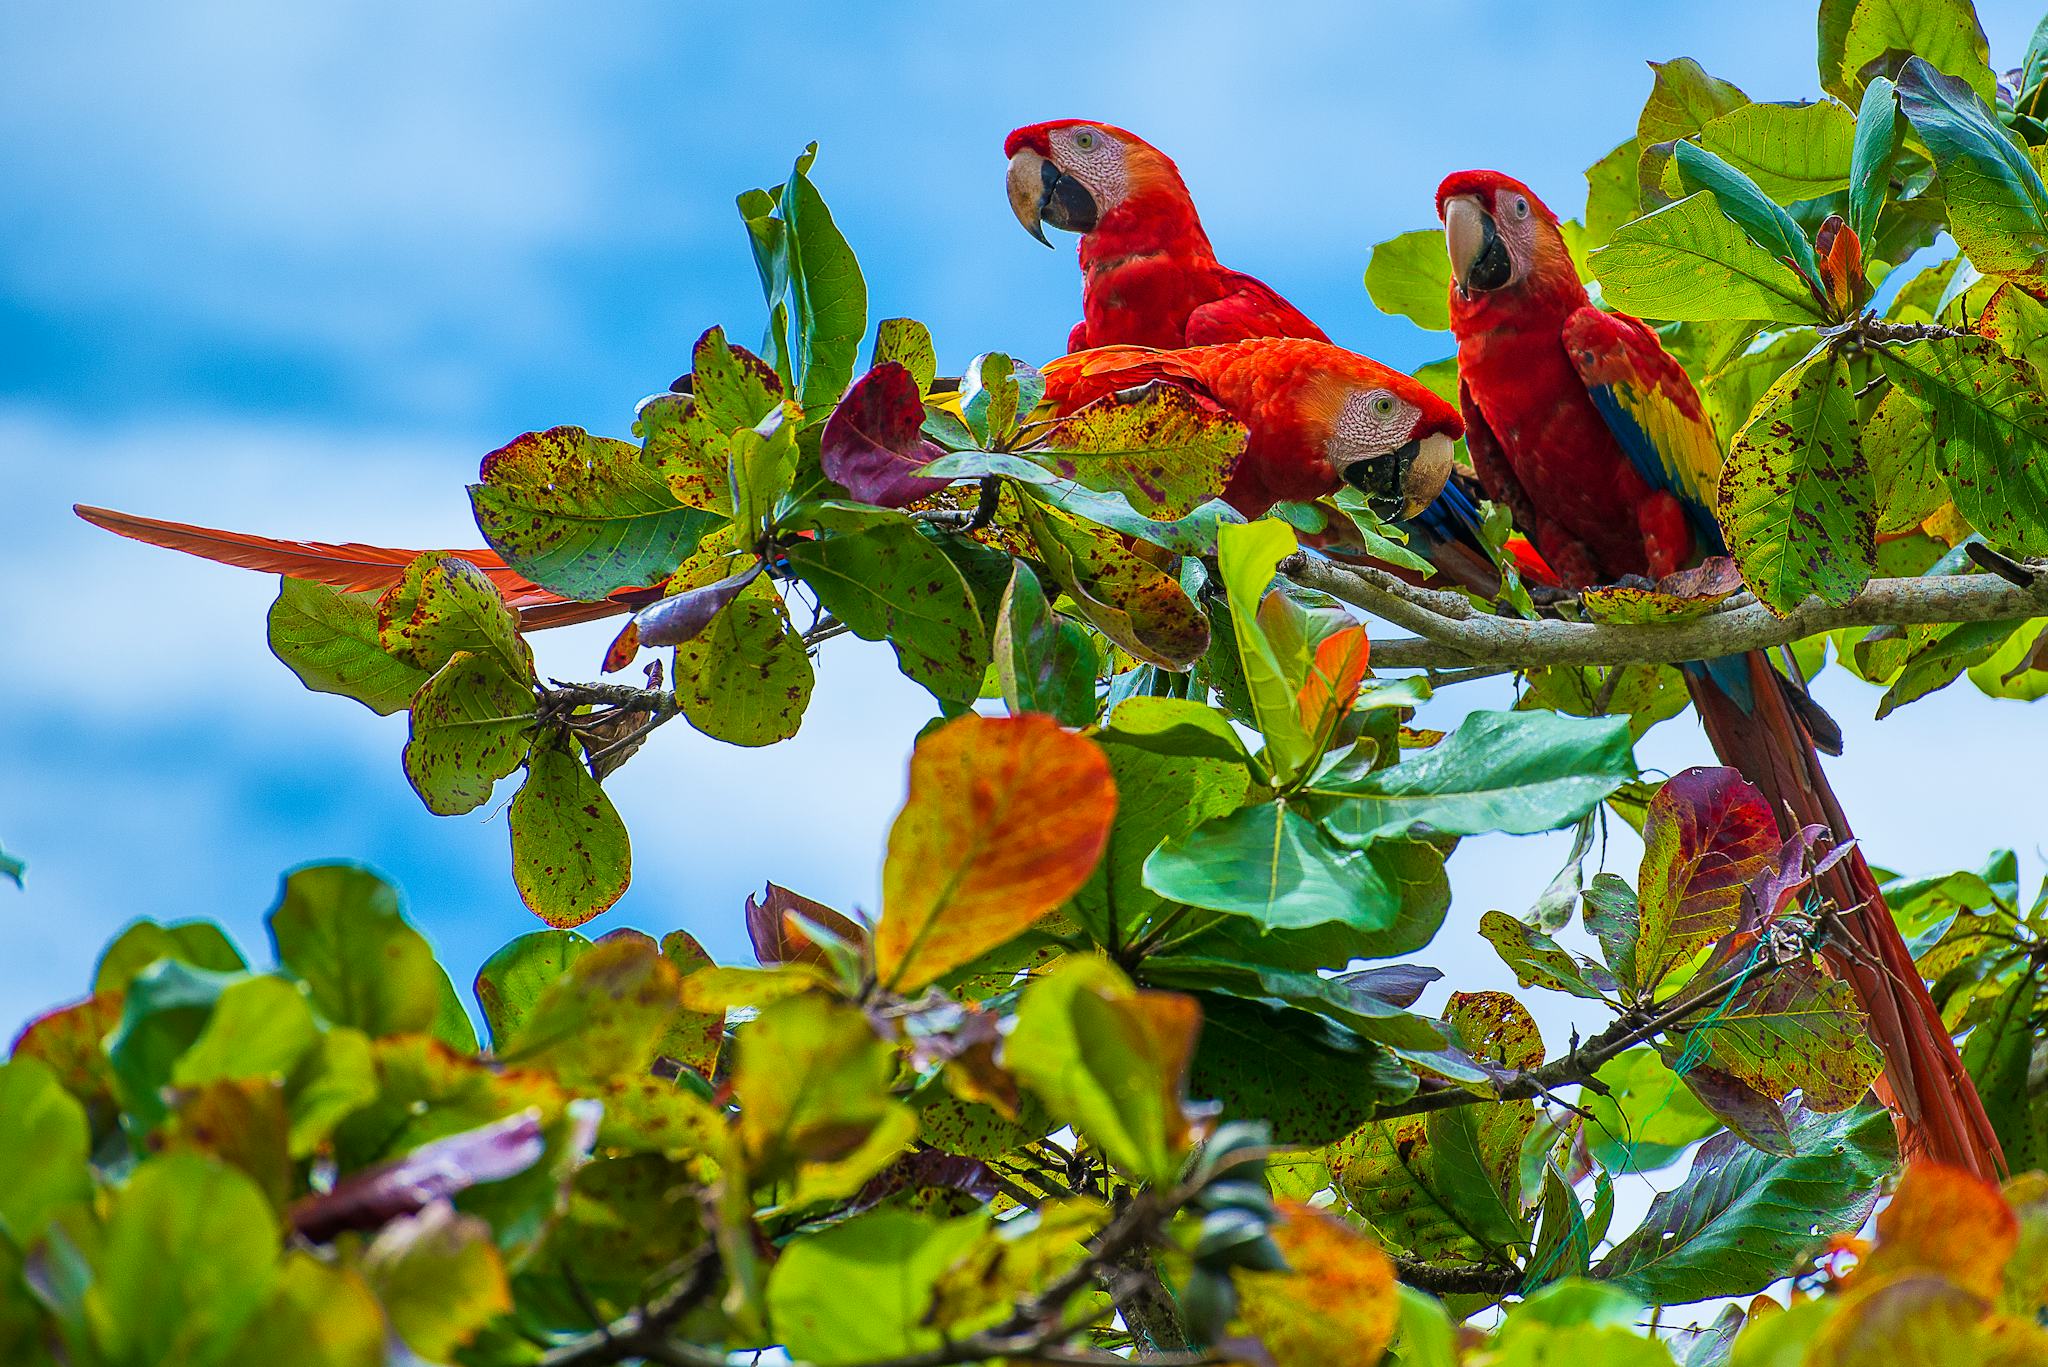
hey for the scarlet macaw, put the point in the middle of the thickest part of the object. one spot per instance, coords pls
(1316, 415)
(1150, 278)
(1593, 436)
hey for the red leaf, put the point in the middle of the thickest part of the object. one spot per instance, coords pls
(874, 442)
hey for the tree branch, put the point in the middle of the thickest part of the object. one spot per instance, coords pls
(644, 1333)
(1453, 639)
(1457, 1281)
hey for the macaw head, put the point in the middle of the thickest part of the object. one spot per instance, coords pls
(1072, 174)
(1390, 438)
(1503, 240)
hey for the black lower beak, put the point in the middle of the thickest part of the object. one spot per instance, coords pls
(1063, 201)
(1492, 268)
(1384, 479)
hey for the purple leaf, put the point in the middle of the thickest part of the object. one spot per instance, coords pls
(929, 1170)
(1394, 984)
(375, 1196)
(778, 940)
(684, 616)
(874, 443)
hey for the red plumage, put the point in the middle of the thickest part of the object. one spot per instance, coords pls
(1150, 277)
(1289, 392)
(1536, 362)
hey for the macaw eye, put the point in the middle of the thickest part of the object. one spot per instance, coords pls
(1521, 207)
(1084, 141)
(1383, 406)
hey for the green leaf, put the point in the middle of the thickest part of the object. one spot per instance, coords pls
(1898, 443)
(1997, 205)
(582, 515)
(1940, 659)
(1683, 100)
(1743, 1216)
(11, 868)
(1855, 34)
(1044, 662)
(1875, 145)
(1645, 1118)
(764, 463)
(148, 1306)
(338, 929)
(43, 1148)
(1796, 1030)
(1246, 558)
(1311, 1080)
(1690, 262)
(1990, 433)
(439, 1278)
(1797, 501)
(887, 582)
(688, 438)
(827, 297)
(1517, 772)
(1165, 451)
(471, 725)
(816, 1111)
(141, 943)
(570, 856)
(332, 1081)
(1790, 151)
(746, 678)
(1610, 193)
(329, 639)
(318, 1315)
(1273, 864)
(1414, 868)
(260, 1027)
(1999, 1055)
(1411, 275)
(1160, 797)
(908, 343)
(1110, 1060)
(603, 1016)
(445, 605)
(1127, 599)
(1744, 201)
(161, 1013)
(1538, 960)
(1349, 1005)
(859, 1291)
(512, 980)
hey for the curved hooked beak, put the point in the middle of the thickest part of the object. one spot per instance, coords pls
(1479, 259)
(1040, 194)
(1407, 479)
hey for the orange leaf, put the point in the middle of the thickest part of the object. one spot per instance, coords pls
(1336, 1303)
(1333, 679)
(1005, 820)
(1946, 1220)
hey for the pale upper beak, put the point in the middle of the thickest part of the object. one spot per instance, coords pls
(1479, 259)
(1040, 194)
(1406, 480)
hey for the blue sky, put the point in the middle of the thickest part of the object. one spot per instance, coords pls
(295, 268)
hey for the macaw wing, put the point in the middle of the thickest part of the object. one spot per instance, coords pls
(1653, 411)
(1081, 377)
(1247, 308)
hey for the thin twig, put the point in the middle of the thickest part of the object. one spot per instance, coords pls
(644, 1333)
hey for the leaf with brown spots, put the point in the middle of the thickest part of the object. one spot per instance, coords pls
(471, 726)
(1335, 1302)
(1990, 433)
(1166, 451)
(694, 1037)
(1796, 1030)
(1005, 820)
(1797, 501)
(444, 604)
(582, 515)
(1136, 605)
(1110, 1060)
(686, 437)
(816, 1112)
(1677, 597)
(571, 858)
(746, 679)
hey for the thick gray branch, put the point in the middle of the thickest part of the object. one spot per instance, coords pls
(1461, 636)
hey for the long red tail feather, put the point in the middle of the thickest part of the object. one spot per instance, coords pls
(1933, 1101)
(349, 565)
